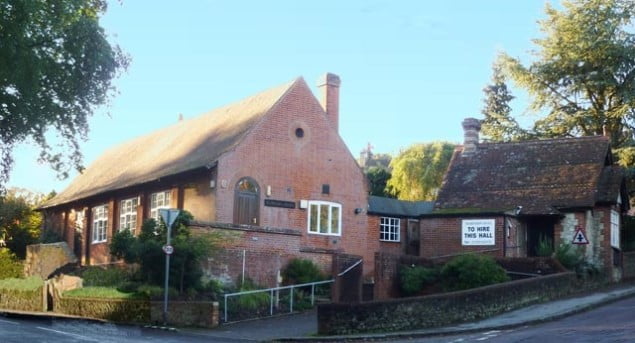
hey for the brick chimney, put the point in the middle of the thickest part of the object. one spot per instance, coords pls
(471, 128)
(329, 85)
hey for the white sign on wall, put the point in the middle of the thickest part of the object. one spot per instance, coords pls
(478, 232)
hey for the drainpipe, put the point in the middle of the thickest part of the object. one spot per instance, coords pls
(243, 274)
(505, 228)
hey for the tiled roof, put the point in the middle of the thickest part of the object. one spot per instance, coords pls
(187, 145)
(542, 176)
(388, 206)
(610, 184)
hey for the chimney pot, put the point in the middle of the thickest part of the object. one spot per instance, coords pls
(329, 85)
(471, 128)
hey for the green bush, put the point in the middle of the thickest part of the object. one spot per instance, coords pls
(567, 257)
(413, 278)
(470, 271)
(104, 277)
(250, 303)
(155, 292)
(300, 271)
(11, 266)
(214, 288)
(253, 302)
(545, 247)
(145, 250)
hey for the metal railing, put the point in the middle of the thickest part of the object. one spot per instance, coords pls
(274, 294)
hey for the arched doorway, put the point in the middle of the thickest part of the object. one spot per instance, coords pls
(247, 202)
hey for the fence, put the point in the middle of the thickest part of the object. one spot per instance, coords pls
(270, 301)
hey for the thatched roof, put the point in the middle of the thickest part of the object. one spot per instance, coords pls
(187, 145)
(542, 176)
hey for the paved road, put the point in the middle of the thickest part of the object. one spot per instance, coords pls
(36, 330)
(610, 323)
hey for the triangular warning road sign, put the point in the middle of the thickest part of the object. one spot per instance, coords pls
(579, 237)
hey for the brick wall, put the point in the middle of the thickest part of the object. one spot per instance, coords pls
(387, 273)
(265, 251)
(442, 237)
(385, 246)
(186, 313)
(294, 169)
(199, 197)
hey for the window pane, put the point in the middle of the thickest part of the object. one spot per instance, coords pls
(247, 186)
(313, 216)
(324, 219)
(335, 220)
(389, 229)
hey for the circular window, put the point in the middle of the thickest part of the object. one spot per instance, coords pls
(299, 132)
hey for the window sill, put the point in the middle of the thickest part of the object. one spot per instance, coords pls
(325, 234)
(99, 242)
(386, 241)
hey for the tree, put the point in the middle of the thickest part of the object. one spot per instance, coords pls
(57, 68)
(418, 171)
(583, 75)
(19, 222)
(377, 180)
(146, 250)
(499, 125)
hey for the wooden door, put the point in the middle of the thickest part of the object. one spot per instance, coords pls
(247, 202)
(413, 240)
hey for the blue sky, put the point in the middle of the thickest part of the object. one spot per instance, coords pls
(410, 70)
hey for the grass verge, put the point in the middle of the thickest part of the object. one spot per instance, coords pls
(101, 292)
(29, 284)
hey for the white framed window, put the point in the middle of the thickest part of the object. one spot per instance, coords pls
(100, 223)
(615, 229)
(325, 218)
(128, 214)
(158, 201)
(389, 229)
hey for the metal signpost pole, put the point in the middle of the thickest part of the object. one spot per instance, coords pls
(168, 216)
(167, 277)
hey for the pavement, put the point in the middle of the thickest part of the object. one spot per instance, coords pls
(303, 327)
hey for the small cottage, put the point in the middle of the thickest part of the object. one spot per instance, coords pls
(507, 199)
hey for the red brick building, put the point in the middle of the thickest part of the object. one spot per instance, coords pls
(504, 198)
(271, 170)
(396, 224)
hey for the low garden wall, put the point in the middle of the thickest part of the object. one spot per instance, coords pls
(116, 310)
(49, 296)
(23, 300)
(447, 308)
(180, 313)
(186, 313)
